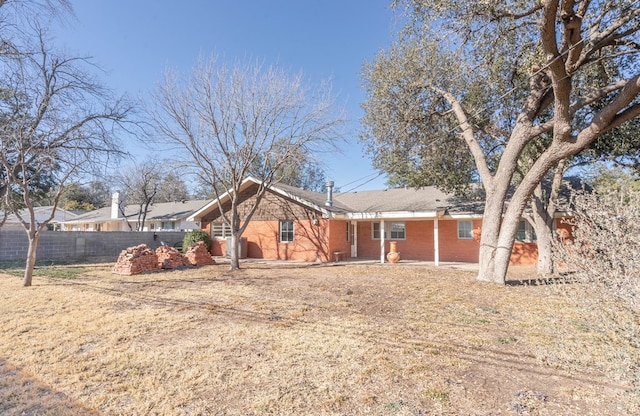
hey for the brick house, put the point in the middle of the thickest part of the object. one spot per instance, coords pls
(294, 224)
(162, 216)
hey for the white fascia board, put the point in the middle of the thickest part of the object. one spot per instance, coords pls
(196, 216)
(391, 215)
(206, 209)
(464, 216)
(214, 203)
(90, 222)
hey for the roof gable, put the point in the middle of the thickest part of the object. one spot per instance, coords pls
(307, 199)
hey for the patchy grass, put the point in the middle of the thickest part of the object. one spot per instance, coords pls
(265, 340)
(52, 272)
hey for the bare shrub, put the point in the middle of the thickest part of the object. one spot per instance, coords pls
(602, 275)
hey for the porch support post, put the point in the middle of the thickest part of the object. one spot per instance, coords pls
(382, 233)
(436, 243)
(354, 239)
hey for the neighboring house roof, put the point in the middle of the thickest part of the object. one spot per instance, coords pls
(164, 211)
(42, 214)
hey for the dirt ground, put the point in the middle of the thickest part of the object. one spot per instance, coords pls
(302, 340)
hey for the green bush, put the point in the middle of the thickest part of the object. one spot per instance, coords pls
(192, 237)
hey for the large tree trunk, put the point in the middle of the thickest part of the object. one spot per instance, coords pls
(545, 257)
(543, 224)
(499, 233)
(488, 255)
(496, 248)
(34, 237)
(544, 211)
(233, 251)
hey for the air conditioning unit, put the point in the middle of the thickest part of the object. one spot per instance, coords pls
(242, 247)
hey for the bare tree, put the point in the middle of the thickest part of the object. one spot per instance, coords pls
(173, 188)
(13, 15)
(56, 125)
(227, 118)
(602, 272)
(470, 85)
(140, 183)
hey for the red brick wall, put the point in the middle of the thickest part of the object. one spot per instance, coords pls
(563, 228)
(419, 243)
(263, 242)
(318, 242)
(524, 253)
(454, 249)
(417, 246)
(338, 239)
(527, 253)
(367, 247)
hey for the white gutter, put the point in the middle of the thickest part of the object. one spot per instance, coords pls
(391, 214)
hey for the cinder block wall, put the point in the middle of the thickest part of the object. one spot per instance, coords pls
(78, 245)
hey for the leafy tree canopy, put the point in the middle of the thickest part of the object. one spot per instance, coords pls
(486, 55)
(503, 91)
(606, 179)
(78, 196)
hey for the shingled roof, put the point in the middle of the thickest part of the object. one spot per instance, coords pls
(427, 201)
(163, 211)
(421, 202)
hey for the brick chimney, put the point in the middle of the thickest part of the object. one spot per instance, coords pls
(115, 205)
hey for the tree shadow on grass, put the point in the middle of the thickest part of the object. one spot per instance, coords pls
(22, 394)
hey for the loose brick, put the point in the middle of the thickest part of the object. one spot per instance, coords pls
(136, 260)
(198, 254)
(170, 258)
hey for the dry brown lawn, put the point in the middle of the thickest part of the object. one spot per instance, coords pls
(296, 340)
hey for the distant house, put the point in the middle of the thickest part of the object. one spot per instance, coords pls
(41, 215)
(165, 216)
(426, 224)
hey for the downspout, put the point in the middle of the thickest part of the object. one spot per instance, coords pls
(354, 239)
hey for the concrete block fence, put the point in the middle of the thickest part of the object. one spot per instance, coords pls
(80, 245)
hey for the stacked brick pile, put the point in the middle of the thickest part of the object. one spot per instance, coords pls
(198, 254)
(136, 260)
(170, 258)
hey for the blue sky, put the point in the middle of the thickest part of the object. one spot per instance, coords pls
(135, 40)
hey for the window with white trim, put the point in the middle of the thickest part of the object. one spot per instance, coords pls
(395, 230)
(398, 231)
(376, 231)
(525, 232)
(465, 230)
(220, 230)
(286, 231)
(168, 225)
